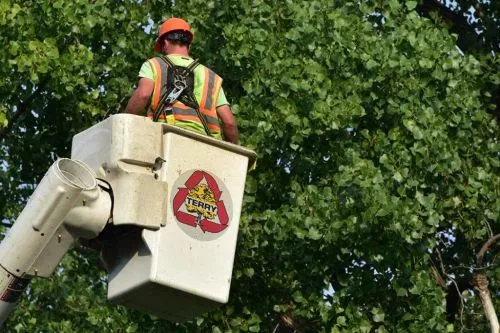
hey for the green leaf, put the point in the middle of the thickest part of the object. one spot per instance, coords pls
(314, 233)
(3, 116)
(402, 292)
(397, 177)
(411, 5)
(378, 315)
(254, 328)
(249, 272)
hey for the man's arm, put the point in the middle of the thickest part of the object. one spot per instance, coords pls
(229, 126)
(140, 99)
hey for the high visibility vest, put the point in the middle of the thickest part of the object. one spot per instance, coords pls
(207, 85)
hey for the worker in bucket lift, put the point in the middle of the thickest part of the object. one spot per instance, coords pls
(176, 89)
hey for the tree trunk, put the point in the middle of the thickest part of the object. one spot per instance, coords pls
(481, 286)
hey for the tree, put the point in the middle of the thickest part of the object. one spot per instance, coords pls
(65, 66)
(376, 184)
(476, 25)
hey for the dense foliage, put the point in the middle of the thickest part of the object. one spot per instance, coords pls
(377, 180)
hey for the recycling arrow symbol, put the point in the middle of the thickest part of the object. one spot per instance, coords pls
(192, 216)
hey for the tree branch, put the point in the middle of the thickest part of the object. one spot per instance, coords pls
(454, 300)
(481, 286)
(291, 324)
(436, 276)
(490, 231)
(486, 246)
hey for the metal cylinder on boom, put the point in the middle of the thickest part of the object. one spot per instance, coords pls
(39, 238)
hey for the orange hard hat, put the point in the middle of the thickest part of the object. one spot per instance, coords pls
(172, 24)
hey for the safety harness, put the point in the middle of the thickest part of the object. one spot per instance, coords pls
(180, 87)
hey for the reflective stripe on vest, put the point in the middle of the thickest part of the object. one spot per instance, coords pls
(160, 80)
(186, 116)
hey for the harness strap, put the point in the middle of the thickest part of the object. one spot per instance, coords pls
(180, 77)
(168, 98)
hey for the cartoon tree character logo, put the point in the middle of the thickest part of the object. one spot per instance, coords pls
(201, 201)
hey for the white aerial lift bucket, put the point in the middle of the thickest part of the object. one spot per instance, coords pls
(177, 203)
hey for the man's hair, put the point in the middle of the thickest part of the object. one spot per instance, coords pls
(179, 37)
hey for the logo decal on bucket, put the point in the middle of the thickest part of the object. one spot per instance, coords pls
(202, 204)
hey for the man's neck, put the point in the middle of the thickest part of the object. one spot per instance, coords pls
(182, 51)
(179, 54)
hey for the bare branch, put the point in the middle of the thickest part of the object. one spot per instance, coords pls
(490, 232)
(494, 259)
(441, 261)
(473, 268)
(119, 107)
(462, 305)
(437, 276)
(290, 323)
(454, 299)
(486, 246)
